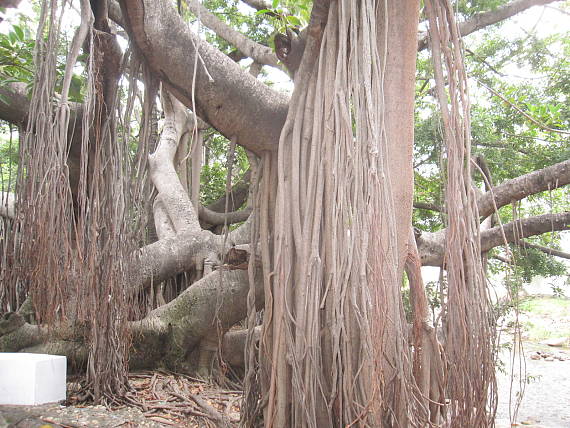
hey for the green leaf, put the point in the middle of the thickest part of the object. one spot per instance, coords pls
(19, 32)
(262, 11)
(275, 4)
(293, 20)
(12, 38)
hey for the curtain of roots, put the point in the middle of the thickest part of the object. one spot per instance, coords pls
(470, 337)
(333, 350)
(74, 248)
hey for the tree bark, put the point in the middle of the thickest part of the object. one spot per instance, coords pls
(259, 53)
(524, 228)
(226, 96)
(549, 178)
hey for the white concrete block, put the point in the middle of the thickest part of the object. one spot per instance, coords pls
(32, 379)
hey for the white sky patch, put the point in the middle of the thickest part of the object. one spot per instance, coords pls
(11, 16)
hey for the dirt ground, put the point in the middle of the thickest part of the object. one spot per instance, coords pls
(167, 401)
(158, 399)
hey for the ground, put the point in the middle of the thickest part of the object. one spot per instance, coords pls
(545, 371)
(158, 399)
(165, 399)
(546, 390)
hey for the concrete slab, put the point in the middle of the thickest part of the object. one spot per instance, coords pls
(31, 379)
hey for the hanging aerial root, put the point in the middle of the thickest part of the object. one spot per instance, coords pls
(334, 351)
(470, 336)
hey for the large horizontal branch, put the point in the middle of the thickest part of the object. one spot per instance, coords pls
(237, 197)
(484, 19)
(14, 108)
(546, 250)
(259, 53)
(215, 218)
(165, 336)
(179, 325)
(169, 256)
(430, 247)
(524, 228)
(431, 244)
(518, 188)
(548, 178)
(258, 4)
(226, 96)
(428, 206)
(9, 3)
(14, 103)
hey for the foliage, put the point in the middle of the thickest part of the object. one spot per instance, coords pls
(520, 98)
(288, 14)
(543, 314)
(214, 172)
(8, 157)
(16, 56)
(469, 7)
(17, 59)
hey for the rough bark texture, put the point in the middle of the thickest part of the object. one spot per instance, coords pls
(227, 97)
(523, 228)
(334, 330)
(399, 88)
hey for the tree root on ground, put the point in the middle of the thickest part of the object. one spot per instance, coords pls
(175, 399)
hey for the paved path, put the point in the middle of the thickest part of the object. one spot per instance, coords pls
(546, 400)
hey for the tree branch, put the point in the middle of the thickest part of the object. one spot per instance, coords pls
(175, 199)
(237, 196)
(166, 335)
(502, 259)
(9, 3)
(225, 95)
(428, 206)
(524, 228)
(258, 4)
(215, 218)
(431, 244)
(259, 53)
(484, 19)
(547, 250)
(14, 103)
(548, 178)
(167, 257)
